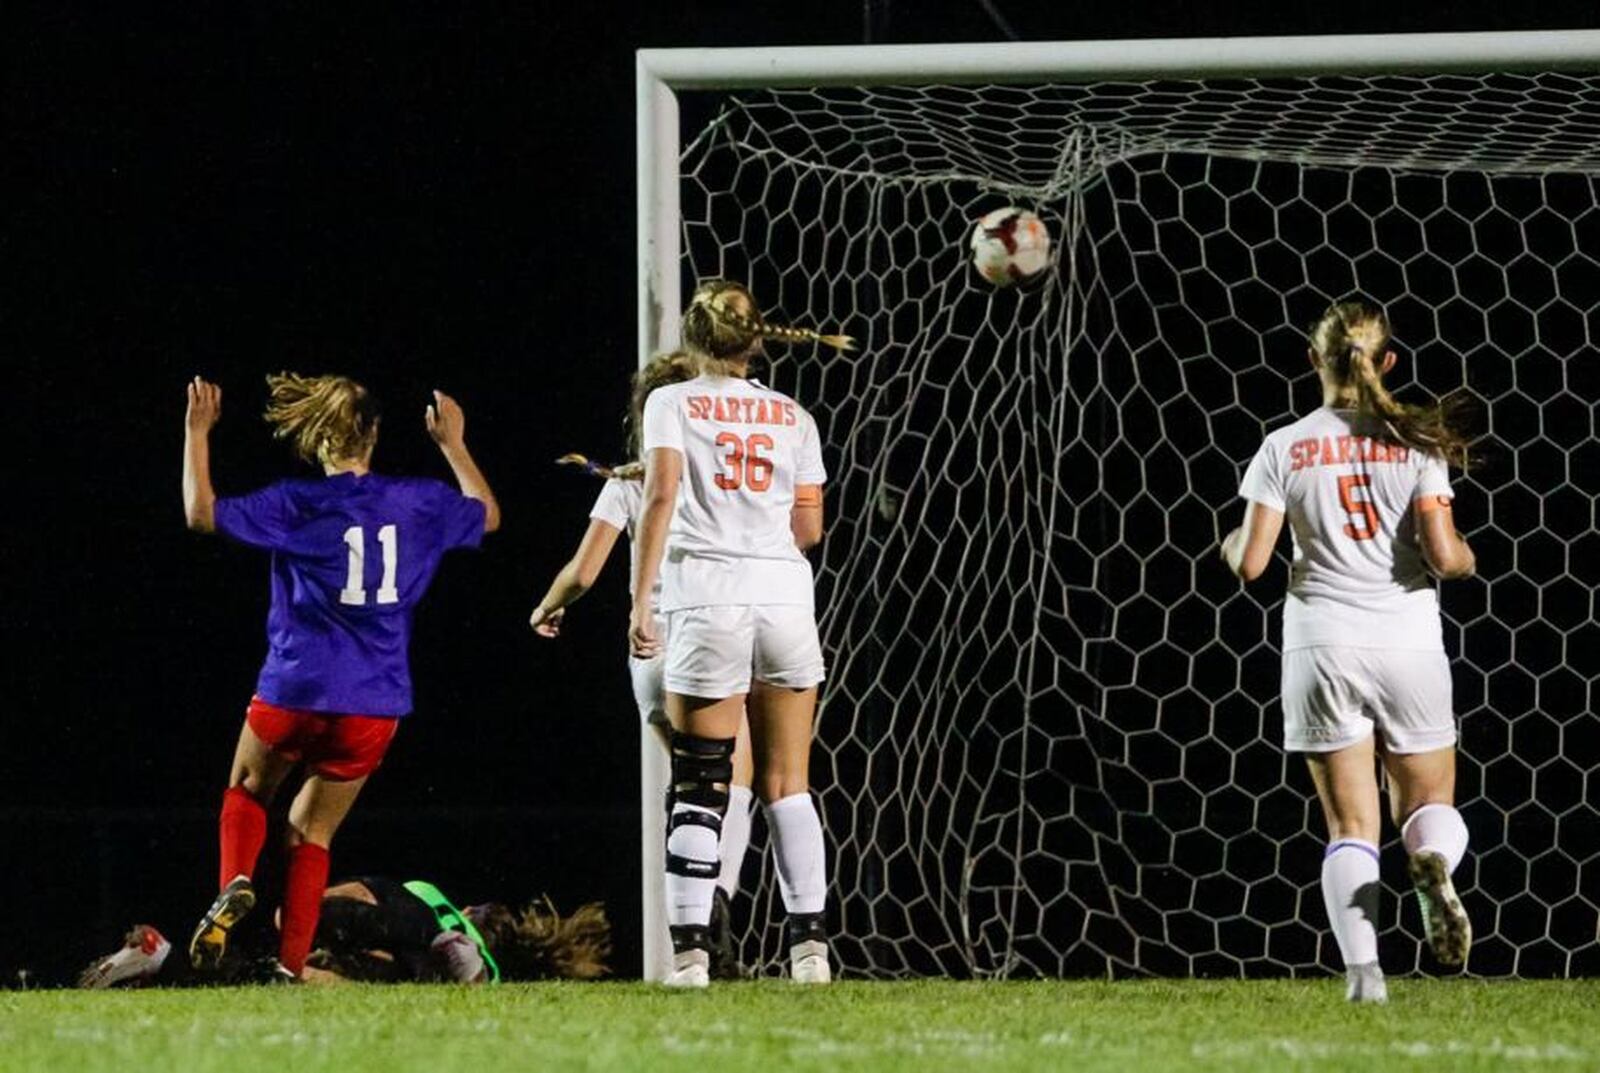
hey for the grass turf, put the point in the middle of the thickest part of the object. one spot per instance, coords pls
(771, 1025)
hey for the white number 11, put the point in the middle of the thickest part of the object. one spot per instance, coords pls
(355, 539)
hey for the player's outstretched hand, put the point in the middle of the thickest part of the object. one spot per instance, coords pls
(547, 623)
(447, 424)
(205, 405)
(642, 640)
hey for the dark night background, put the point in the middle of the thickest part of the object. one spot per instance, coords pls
(420, 199)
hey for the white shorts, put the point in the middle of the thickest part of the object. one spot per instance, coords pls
(713, 652)
(1335, 697)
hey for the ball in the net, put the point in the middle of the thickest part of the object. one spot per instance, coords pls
(1009, 245)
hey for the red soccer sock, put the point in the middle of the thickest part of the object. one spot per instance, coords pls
(243, 828)
(302, 903)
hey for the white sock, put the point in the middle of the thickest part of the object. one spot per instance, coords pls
(689, 897)
(735, 838)
(797, 847)
(1437, 829)
(1350, 891)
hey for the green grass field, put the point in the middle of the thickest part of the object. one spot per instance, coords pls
(761, 1027)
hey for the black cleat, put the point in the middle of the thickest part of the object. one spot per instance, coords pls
(724, 958)
(210, 940)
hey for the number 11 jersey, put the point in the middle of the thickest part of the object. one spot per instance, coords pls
(745, 448)
(1358, 579)
(351, 557)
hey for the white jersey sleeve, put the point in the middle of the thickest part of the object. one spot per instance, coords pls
(1263, 480)
(808, 456)
(1433, 479)
(663, 421)
(613, 506)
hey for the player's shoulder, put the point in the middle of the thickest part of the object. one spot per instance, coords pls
(668, 393)
(768, 391)
(623, 489)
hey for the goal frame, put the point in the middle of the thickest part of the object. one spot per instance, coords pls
(661, 73)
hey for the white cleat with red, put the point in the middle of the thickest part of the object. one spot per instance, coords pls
(143, 952)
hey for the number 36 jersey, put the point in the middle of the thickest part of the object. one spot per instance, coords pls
(1358, 579)
(745, 447)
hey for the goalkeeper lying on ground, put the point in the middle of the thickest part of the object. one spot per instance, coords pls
(380, 930)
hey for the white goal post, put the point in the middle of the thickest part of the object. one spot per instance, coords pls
(662, 73)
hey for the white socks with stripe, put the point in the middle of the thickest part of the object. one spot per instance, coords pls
(797, 847)
(735, 838)
(1350, 891)
(1436, 829)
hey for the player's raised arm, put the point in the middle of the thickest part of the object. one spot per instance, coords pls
(447, 424)
(575, 578)
(199, 498)
(1248, 549)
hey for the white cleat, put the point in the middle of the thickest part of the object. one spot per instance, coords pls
(808, 963)
(143, 953)
(1365, 984)
(1443, 917)
(691, 968)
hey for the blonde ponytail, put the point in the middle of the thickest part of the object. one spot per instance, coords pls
(717, 332)
(1348, 338)
(325, 418)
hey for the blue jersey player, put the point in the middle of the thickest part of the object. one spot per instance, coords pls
(352, 553)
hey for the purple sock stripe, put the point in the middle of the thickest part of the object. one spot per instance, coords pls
(1366, 847)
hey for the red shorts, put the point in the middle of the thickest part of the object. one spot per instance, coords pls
(333, 746)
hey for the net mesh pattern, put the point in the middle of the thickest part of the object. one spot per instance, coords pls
(1050, 743)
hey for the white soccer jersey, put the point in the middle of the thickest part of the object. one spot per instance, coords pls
(620, 505)
(745, 447)
(1358, 579)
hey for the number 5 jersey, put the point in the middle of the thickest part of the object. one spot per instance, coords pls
(351, 557)
(1347, 487)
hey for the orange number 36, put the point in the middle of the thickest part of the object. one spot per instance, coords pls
(746, 466)
(1358, 508)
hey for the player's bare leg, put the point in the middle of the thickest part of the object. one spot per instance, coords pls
(780, 732)
(1422, 794)
(314, 817)
(1347, 785)
(253, 780)
(704, 735)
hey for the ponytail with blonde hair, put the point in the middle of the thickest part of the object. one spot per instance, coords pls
(717, 332)
(325, 418)
(1348, 339)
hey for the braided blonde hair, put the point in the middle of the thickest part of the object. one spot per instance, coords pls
(716, 331)
(1348, 338)
(325, 418)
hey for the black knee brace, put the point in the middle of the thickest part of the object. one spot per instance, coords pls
(701, 771)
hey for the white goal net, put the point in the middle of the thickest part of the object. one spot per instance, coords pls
(1050, 741)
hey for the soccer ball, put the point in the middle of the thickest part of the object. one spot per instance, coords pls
(1010, 244)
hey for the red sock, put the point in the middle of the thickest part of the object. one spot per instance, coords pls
(244, 831)
(302, 903)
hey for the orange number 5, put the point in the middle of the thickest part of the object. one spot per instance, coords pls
(1353, 506)
(747, 467)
